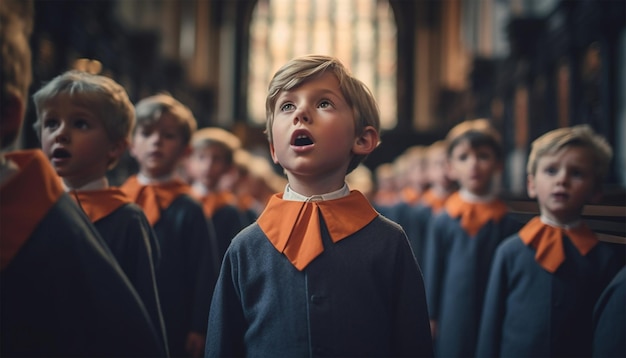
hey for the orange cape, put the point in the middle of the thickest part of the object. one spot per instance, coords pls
(474, 215)
(154, 198)
(293, 227)
(548, 242)
(25, 200)
(98, 204)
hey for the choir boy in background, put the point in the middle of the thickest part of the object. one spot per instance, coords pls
(84, 123)
(189, 263)
(546, 279)
(462, 238)
(432, 201)
(211, 159)
(63, 294)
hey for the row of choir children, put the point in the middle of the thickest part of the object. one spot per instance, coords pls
(165, 234)
(497, 286)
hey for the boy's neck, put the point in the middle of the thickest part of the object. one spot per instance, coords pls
(201, 189)
(557, 223)
(441, 191)
(97, 184)
(145, 180)
(291, 195)
(475, 198)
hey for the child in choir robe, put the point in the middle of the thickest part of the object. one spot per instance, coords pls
(432, 200)
(462, 238)
(84, 122)
(189, 263)
(546, 278)
(211, 159)
(320, 272)
(63, 293)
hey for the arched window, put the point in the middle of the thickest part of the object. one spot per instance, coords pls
(361, 33)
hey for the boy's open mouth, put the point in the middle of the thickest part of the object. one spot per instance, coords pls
(61, 153)
(302, 140)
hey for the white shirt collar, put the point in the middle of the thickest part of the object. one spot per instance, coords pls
(567, 226)
(98, 184)
(289, 194)
(200, 188)
(144, 180)
(473, 198)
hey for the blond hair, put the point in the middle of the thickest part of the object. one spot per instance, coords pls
(576, 136)
(305, 68)
(222, 138)
(101, 95)
(150, 110)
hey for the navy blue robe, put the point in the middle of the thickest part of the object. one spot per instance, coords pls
(457, 270)
(609, 318)
(530, 312)
(363, 296)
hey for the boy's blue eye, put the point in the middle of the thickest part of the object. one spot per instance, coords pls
(287, 107)
(325, 104)
(81, 124)
(51, 123)
(551, 170)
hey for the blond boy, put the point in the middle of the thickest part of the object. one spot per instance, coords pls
(188, 267)
(313, 275)
(546, 278)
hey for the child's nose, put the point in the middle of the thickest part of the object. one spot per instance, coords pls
(302, 115)
(62, 134)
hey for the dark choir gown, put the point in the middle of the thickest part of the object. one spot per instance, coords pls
(62, 292)
(362, 296)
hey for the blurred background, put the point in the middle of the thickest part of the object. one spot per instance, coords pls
(528, 65)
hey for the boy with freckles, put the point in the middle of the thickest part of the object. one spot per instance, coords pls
(320, 272)
(546, 279)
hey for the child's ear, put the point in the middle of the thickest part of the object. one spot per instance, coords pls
(366, 142)
(530, 186)
(273, 154)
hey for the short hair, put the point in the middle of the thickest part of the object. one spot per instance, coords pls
(576, 136)
(478, 132)
(222, 138)
(107, 99)
(150, 110)
(16, 24)
(302, 69)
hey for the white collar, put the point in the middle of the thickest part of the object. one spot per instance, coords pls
(473, 198)
(566, 226)
(200, 188)
(289, 194)
(144, 180)
(98, 184)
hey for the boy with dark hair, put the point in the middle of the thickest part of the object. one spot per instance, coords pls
(462, 238)
(188, 269)
(63, 294)
(546, 279)
(320, 272)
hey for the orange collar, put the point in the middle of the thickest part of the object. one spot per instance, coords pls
(214, 201)
(433, 201)
(548, 242)
(474, 215)
(154, 198)
(410, 196)
(98, 204)
(26, 199)
(293, 227)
